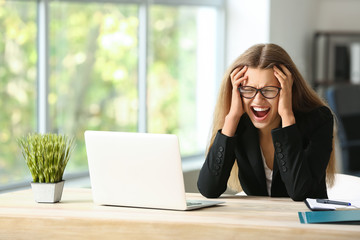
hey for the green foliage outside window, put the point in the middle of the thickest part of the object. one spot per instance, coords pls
(17, 83)
(93, 65)
(93, 74)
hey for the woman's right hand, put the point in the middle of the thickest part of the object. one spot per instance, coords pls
(237, 76)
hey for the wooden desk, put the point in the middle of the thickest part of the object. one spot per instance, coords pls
(76, 217)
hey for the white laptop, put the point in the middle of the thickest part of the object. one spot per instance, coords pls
(137, 170)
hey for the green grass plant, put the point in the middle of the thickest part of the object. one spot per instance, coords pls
(46, 155)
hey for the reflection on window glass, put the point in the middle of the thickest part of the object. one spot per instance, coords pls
(17, 84)
(93, 73)
(181, 76)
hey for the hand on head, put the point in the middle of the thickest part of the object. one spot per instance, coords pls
(237, 77)
(232, 119)
(285, 99)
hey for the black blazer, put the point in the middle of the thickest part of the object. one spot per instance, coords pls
(302, 153)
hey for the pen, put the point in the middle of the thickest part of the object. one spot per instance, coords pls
(327, 201)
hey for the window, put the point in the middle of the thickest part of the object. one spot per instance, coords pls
(116, 65)
(93, 70)
(18, 72)
(181, 75)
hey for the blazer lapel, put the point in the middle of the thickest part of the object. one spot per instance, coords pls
(250, 139)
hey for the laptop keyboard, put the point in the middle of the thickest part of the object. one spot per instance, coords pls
(188, 203)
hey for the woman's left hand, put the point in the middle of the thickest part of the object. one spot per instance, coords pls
(285, 100)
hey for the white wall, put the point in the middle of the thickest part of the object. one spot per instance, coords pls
(247, 24)
(292, 25)
(289, 23)
(341, 15)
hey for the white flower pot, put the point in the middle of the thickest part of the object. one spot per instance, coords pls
(47, 192)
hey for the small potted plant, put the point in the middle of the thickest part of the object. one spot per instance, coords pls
(46, 156)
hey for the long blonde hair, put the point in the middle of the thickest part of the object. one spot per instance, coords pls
(305, 99)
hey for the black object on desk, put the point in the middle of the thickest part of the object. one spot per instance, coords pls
(327, 201)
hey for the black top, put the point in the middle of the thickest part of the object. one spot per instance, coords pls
(302, 153)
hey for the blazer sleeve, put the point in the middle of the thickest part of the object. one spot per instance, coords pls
(303, 160)
(215, 172)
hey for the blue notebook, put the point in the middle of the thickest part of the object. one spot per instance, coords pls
(345, 216)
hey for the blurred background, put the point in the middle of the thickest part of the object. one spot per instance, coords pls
(156, 65)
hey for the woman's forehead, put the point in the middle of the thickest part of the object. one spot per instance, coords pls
(261, 77)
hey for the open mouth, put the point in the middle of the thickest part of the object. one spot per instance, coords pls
(260, 113)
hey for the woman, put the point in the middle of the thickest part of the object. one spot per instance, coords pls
(272, 135)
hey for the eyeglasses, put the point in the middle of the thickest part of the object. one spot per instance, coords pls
(268, 92)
